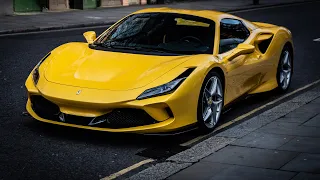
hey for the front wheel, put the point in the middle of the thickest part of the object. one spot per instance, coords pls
(210, 102)
(284, 72)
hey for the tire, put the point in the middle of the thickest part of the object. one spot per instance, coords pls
(284, 70)
(210, 102)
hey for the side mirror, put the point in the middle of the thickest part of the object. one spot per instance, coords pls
(240, 50)
(90, 36)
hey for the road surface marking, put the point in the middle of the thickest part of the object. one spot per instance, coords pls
(93, 17)
(317, 40)
(247, 114)
(130, 168)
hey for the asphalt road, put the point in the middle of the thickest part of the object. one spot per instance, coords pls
(33, 150)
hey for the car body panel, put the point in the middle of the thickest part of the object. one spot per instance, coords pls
(90, 83)
(105, 69)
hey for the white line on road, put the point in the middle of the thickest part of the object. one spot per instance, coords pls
(130, 168)
(317, 40)
(93, 17)
(247, 114)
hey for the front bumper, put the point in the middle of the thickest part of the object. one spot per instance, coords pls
(152, 128)
(160, 114)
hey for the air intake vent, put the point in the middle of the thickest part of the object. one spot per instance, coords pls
(264, 45)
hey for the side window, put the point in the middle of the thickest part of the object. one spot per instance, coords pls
(232, 33)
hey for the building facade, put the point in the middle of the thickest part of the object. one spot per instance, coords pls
(10, 6)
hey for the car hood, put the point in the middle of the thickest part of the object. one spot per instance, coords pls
(76, 64)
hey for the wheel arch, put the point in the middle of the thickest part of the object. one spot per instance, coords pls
(217, 71)
(221, 73)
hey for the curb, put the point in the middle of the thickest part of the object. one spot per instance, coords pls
(187, 158)
(39, 29)
(93, 24)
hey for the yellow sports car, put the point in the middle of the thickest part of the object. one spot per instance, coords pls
(159, 70)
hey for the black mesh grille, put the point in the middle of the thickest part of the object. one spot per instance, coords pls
(79, 120)
(118, 118)
(121, 118)
(44, 108)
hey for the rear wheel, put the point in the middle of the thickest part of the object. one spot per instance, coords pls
(210, 102)
(284, 72)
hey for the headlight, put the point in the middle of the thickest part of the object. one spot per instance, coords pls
(166, 88)
(35, 73)
(161, 90)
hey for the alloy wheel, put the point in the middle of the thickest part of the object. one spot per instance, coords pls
(212, 102)
(285, 70)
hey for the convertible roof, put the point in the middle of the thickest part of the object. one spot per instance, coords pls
(213, 15)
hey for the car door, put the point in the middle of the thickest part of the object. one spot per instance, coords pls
(242, 75)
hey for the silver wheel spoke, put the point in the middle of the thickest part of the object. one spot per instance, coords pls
(219, 108)
(285, 71)
(208, 113)
(281, 77)
(288, 75)
(213, 87)
(213, 117)
(206, 99)
(288, 78)
(207, 93)
(286, 58)
(219, 92)
(285, 82)
(289, 65)
(218, 112)
(216, 102)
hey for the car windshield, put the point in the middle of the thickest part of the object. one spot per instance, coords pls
(161, 33)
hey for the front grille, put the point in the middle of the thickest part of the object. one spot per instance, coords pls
(118, 118)
(78, 120)
(44, 108)
(122, 118)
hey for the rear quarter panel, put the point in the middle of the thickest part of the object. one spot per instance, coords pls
(281, 37)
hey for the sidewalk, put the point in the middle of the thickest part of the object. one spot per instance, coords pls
(281, 143)
(104, 16)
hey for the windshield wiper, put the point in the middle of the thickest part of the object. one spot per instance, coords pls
(131, 47)
(109, 44)
(117, 45)
(149, 49)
